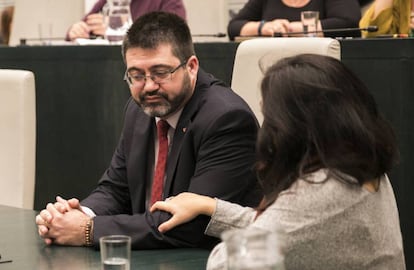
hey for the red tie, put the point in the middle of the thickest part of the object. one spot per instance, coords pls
(158, 180)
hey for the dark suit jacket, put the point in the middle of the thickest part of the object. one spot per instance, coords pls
(212, 153)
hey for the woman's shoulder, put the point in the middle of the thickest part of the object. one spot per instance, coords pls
(321, 192)
(327, 192)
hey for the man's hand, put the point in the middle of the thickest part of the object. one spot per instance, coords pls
(62, 223)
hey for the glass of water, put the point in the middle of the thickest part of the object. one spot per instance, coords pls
(310, 20)
(118, 20)
(253, 248)
(115, 252)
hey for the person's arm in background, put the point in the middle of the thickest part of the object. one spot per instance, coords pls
(92, 23)
(382, 14)
(250, 15)
(248, 22)
(338, 14)
(341, 14)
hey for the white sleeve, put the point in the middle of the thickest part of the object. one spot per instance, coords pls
(88, 211)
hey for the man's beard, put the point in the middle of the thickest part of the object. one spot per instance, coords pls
(167, 105)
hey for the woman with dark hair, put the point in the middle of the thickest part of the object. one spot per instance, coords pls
(323, 153)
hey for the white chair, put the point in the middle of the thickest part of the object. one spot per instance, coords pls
(247, 74)
(17, 138)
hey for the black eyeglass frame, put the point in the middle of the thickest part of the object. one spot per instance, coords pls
(141, 78)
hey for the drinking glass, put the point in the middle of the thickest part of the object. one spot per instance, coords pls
(117, 19)
(310, 20)
(252, 248)
(115, 252)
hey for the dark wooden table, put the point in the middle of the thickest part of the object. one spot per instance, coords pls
(20, 243)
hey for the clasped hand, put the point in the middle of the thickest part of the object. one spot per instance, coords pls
(282, 27)
(62, 222)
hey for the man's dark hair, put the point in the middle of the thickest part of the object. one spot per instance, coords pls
(156, 28)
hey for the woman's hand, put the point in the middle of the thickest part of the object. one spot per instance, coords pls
(94, 24)
(184, 207)
(78, 30)
(278, 26)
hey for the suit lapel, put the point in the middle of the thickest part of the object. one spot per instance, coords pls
(183, 126)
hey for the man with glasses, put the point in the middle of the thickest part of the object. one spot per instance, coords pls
(204, 144)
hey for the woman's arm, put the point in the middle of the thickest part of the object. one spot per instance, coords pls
(382, 14)
(250, 13)
(341, 14)
(184, 207)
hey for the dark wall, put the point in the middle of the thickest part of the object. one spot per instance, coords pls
(387, 68)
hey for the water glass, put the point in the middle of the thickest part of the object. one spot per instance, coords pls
(252, 248)
(310, 20)
(117, 19)
(115, 252)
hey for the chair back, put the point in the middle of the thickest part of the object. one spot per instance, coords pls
(17, 138)
(247, 74)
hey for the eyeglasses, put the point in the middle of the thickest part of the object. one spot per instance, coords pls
(157, 76)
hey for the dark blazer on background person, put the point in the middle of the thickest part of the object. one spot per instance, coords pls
(212, 153)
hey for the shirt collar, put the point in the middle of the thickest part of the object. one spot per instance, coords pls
(173, 119)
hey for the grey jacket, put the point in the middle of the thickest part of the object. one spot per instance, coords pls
(328, 224)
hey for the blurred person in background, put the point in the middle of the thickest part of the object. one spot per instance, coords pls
(391, 17)
(93, 23)
(6, 24)
(268, 17)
